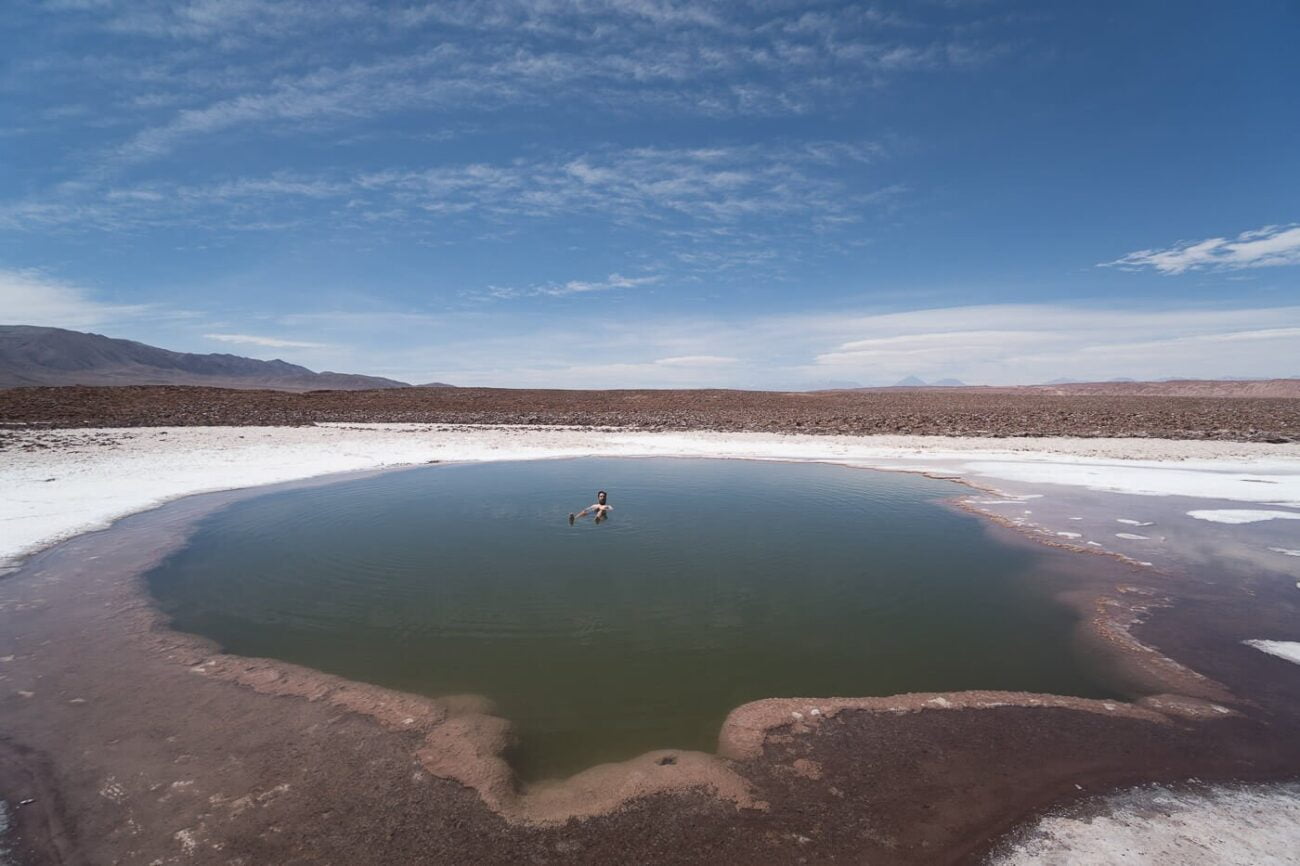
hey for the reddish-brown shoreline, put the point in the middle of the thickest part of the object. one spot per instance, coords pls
(941, 412)
(909, 784)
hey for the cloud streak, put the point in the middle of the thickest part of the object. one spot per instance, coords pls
(1022, 344)
(1003, 344)
(560, 290)
(31, 297)
(989, 344)
(697, 361)
(265, 342)
(707, 209)
(242, 65)
(1270, 246)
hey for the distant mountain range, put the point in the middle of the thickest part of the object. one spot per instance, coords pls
(1175, 387)
(1228, 386)
(914, 382)
(1118, 379)
(32, 355)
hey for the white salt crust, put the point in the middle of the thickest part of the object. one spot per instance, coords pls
(1242, 515)
(1283, 649)
(85, 479)
(1255, 825)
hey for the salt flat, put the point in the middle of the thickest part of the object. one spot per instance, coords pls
(62, 482)
(65, 481)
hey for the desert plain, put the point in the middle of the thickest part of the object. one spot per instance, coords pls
(1168, 518)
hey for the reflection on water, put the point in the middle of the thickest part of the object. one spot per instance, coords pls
(712, 583)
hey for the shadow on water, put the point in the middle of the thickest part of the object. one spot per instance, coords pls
(720, 582)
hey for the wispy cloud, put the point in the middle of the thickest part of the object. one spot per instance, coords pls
(571, 287)
(708, 210)
(1269, 246)
(1020, 344)
(223, 20)
(613, 281)
(266, 342)
(579, 347)
(30, 297)
(697, 361)
(717, 184)
(243, 65)
(993, 344)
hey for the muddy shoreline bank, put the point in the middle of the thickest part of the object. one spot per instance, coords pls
(787, 778)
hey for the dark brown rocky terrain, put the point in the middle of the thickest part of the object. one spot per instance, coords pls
(952, 412)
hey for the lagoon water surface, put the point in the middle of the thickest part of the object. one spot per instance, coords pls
(713, 583)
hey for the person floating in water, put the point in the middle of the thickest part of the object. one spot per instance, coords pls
(601, 509)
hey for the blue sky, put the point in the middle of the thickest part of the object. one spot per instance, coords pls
(628, 193)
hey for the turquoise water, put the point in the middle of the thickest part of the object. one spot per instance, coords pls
(711, 584)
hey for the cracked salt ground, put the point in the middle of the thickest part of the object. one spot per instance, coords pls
(1248, 825)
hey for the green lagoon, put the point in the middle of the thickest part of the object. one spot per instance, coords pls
(713, 583)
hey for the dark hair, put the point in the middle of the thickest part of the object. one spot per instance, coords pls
(600, 493)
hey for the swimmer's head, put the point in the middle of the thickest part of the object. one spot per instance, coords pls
(600, 497)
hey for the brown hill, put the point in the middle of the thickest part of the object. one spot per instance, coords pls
(32, 356)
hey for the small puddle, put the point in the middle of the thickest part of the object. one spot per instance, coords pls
(712, 583)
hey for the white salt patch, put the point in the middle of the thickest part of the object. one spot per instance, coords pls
(1285, 551)
(187, 839)
(1283, 649)
(1131, 537)
(1133, 522)
(1242, 515)
(1155, 826)
(1211, 479)
(1070, 534)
